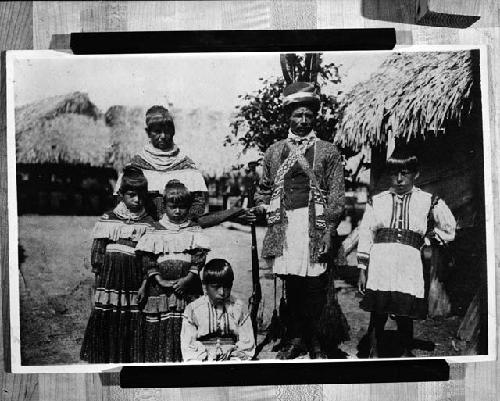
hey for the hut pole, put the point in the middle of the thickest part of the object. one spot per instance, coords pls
(439, 304)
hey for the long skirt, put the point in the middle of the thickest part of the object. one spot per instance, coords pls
(113, 333)
(163, 315)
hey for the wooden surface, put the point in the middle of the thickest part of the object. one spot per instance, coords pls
(27, 25)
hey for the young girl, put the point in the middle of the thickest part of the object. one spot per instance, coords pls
(113, 329)
(172, 256)
(395, 226)
(217, 326)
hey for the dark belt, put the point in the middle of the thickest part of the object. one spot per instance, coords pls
(400, 236)
(212, 338)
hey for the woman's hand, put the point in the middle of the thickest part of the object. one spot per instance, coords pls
(362, 281)
(164, 283)
(181, 285)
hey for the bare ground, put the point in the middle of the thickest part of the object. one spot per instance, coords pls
(56, 283)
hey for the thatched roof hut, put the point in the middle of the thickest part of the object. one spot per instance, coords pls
(61, 129)
(430, 103)
(411, 94)
(127, 135)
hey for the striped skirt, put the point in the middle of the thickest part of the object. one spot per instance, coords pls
(114, 330)
(163, 313)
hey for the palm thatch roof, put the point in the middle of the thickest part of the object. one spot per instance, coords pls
(127, 135)
(61, 129)
(409, 94)
(200, 134)
(70, 129)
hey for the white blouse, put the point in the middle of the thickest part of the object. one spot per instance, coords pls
(396, 266)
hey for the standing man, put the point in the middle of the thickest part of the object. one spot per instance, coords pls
(302, 194)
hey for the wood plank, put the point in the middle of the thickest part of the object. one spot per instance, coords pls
(18, 387)
(15, 33)
(339, 14)
(293, 14)
(478, 381)
(346, 392)
(62, 387)
(481, 381)
(104, 16)
(55, 17)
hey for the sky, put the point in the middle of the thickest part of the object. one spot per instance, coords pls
(210, 82)
(188, 81)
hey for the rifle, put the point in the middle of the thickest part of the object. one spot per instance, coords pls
(256, 296)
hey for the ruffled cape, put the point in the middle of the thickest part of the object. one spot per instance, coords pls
(173, 241)
(114, 230)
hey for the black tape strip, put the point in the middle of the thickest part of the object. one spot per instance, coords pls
(254, 373)
(233, 41)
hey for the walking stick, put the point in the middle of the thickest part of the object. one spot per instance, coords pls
(256, 296)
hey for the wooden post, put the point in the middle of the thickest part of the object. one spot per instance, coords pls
(439, 302)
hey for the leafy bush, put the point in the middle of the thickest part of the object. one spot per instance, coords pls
(260, 120)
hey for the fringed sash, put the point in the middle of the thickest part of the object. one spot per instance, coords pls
(317, 197)
(274, 214)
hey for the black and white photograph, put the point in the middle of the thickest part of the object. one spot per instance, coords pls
(206, 208)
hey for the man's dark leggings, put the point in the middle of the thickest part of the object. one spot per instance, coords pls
(405, 328)
(306, 298)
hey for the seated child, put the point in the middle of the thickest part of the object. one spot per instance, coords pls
(113, 329)
(395, 225)
(172, 256)
(217, 326)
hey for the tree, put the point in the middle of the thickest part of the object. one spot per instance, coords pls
(260, 120)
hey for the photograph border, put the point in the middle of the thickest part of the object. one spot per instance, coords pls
(13, 284)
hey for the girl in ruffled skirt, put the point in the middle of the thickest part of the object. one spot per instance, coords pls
(172, 256)
(113, 333)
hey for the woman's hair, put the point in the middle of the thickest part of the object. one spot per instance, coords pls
(176, 192)
(133, 179)
(401, 160)
(158, 117)
(218, 271)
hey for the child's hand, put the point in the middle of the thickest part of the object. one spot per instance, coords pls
(326, 242)
(362, 281)
(228, 354)
(141, 294)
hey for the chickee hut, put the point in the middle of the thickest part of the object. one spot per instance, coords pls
(62, 154)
